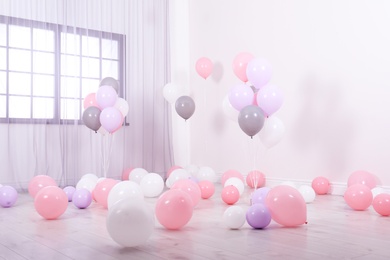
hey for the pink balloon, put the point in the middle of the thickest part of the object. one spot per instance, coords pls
(38, 182)
(190, 187)
(362, 177)
(111, 119)
(207, 189)
(102, 189)
(381, 204)
(172, 169)
(240, 64)
(259, 72)
(229, 174)
(51, 202)
(174, 209)
(358, 196)
(204, 67)
(90, 101)
(230, 194)
(255, 179)
(106, 96)
(287, 206)
(126, 173)
(269, 99)
(320, 185)
(241, 96)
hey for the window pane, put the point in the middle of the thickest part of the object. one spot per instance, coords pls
(90, 46)
(19, 37)
(109, 49)
(43, 40)
(3, 34)
(70, 65)
(70, 109)
(43, 62)
(3, 58)
(19, 83)
(70, 87)
(19, 107)
(110, 69)
(89, 86)
(43, 107)
(70, 43)
(91, 68)
(19, 60)
(3, 82)
(43, 85)
(3, 106)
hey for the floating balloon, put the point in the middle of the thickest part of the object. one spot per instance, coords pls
(51, 202)
(258, 216)
(240, 96)
(91, 118)
(122, 106)
(90, 101)
(272, 132)
(240, 64)
(287, 206)
(38, 182)
(320, 185)
(381, 204)
(358, 196)
(234, 217)
(185, 107)
(172, 92)
(259, 72)
(269, 99)
(251, 120)
(207, 189)
(255, 179)
(109, 81)
(106, 96)
(8, 196)
(111, 119)
(204, 67)
(362, 177)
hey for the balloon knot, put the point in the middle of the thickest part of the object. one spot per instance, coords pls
(305, 222)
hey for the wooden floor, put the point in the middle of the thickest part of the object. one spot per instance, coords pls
(333, 232)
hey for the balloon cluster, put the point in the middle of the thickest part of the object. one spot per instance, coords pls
(104, 110)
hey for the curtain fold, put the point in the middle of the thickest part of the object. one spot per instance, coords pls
(67, 149)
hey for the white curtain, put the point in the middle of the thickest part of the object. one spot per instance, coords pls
(68, 150)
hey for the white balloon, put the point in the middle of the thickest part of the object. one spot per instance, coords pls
(229, 110)
(122, 106)
(272, 131)
(236, 182)
(137, 174)
(234, 217)
(171, 92)
(206, 174)
(192, 169)
(176, 175)
(86, 183)
(124, 190)
(152, 185)
(90, 176)
(307, 193)
(130, 222)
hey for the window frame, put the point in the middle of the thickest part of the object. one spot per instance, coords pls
(58, 29)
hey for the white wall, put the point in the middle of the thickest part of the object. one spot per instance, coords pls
(332, 61)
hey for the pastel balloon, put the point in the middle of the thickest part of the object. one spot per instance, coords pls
(381, 204)
(259, 195)
(137, 174)
(8, 196)
(358, 196)
(272, 131)
(204, 67)
(192, 169)
(229, 174)
(90, 176)
(152, 185)
(170, 170)
(240, 96)
(320, 185)
(86, 183)
(130, 222)
(106, 96)
(240, 64)
(308, 193)
(259, 72)
(110, 81)
(125, 174)
(174, 209)
(172, 92)
(258, 216)
(111, 119)
(82, 198)
(51, 202)
(38, 182)
(230, 194)
(234, 217)
(122, 105)
(102, 189)
(206, 173)
(236, 182)
(269, 99)
(185, 107)
(255, 179)
(287, 206)
(191, 188)
(124, 190)
(251, 120)
(362, 177)
(69, 191)
(91, 118)
(207, 189)
(90, 101)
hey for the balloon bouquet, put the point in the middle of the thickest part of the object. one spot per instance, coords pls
(105, 111)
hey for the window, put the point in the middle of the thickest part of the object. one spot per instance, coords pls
(46, 69)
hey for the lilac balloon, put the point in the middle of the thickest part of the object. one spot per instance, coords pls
(82, 198)
(241, 96)
(259, 72)
(269, 99)
(258, 216)
(111, 119)
(259, 195)
(106, 96)
(69, 190)
(8, 196)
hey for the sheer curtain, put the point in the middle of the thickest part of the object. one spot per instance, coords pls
(67, 149)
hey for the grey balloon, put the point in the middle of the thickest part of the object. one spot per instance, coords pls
(109, 81)
(251, 120)
(185, 107)
(91, 118)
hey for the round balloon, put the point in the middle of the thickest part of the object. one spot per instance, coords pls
(51, 202)
(38, 182)
(82, 198)
(258, 216)
(8, 196)
(204, 67)
(110, 81)
(358, 196)
(234, 217)
(185, 107)
(251, 120)
(207, 189)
